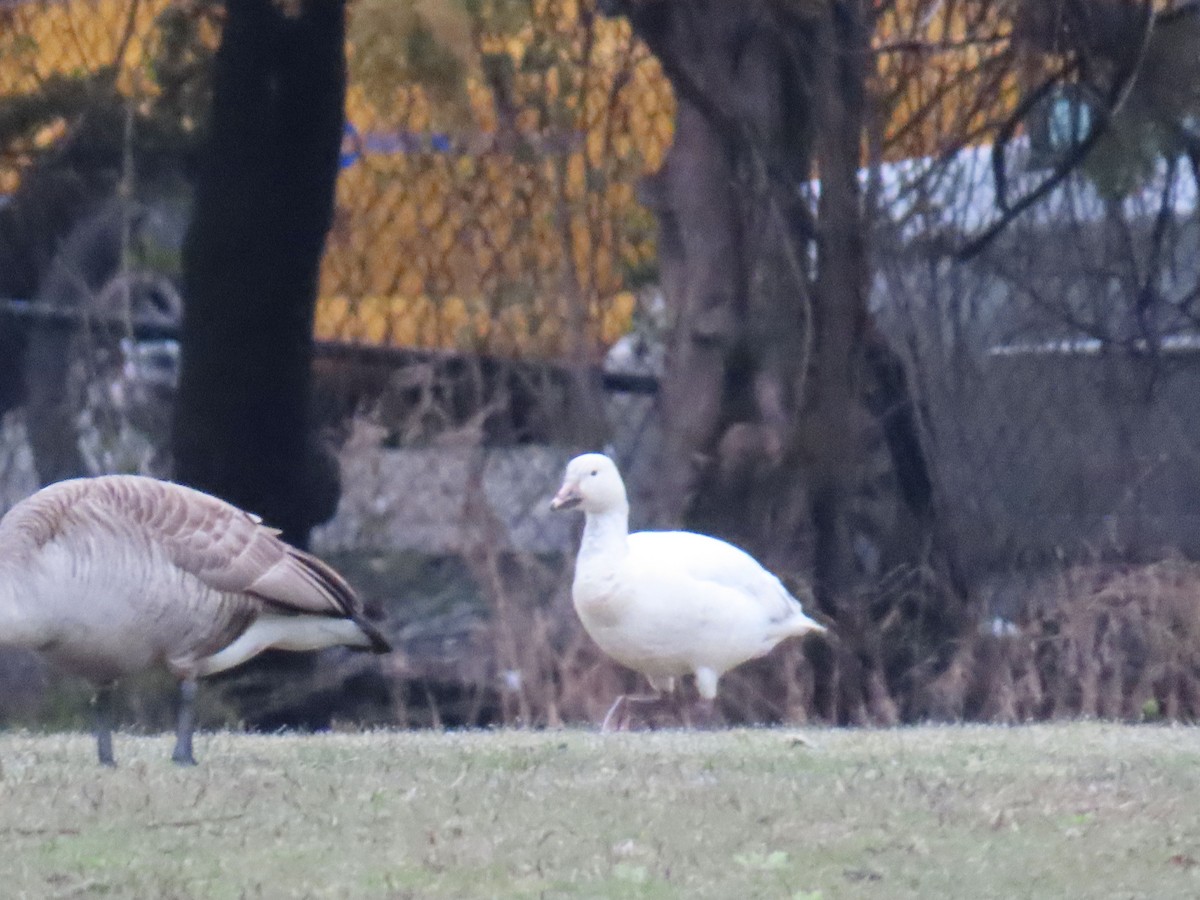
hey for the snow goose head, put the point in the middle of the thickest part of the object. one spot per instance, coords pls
(592, 484)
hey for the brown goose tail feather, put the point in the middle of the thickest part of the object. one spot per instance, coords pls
(329, 582)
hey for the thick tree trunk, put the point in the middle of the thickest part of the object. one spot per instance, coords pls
(264, 203)
(779, 396)
(700, 253)
(840, 308)
(736, 297)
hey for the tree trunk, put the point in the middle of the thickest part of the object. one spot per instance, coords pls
(264, 203)
(779, 395)
(735, 288)
(840, 308)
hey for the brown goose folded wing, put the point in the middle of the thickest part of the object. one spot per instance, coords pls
(232, 551)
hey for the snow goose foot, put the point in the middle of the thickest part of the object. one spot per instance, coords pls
(621, 713)
(702, 715)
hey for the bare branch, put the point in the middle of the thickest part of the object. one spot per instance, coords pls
(1117, 95)
(928, 48)
(1009, 128)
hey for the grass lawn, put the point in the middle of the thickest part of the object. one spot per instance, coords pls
(1077, 810)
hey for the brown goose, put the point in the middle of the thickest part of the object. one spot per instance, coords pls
(114, 575)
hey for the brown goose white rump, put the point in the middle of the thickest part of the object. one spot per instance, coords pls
(114, 575)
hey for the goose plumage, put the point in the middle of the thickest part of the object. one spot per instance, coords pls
(668, 603)
(117, 574)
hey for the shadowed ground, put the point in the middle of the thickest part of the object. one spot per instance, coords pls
(1078, 810)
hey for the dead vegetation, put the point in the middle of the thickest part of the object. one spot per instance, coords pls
(1093, 641)
(479, 608)
(1120, 642)
(1097, 640)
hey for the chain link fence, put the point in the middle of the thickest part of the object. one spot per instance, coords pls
(1059, 369)
(487, 239)
(486, 205)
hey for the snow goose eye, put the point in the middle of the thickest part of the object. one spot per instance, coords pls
(595, 471)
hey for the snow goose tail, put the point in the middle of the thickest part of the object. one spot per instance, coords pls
(114, 575)
(669, 603)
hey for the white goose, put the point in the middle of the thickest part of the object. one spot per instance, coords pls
(114, 575)
(668, 603)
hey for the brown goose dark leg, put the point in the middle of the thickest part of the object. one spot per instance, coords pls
(186, 724)
(102, 713)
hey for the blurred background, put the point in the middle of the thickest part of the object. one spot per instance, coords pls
(902, 296)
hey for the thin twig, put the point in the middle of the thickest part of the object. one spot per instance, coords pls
(915, 45)
(192, 823)
(126, 35)
(39, 832)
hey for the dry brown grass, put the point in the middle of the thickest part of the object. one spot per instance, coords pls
(1120, 641)
(1098, 640)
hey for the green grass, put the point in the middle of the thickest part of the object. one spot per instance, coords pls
(1079, 810)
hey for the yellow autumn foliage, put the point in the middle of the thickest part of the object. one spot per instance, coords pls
(509, 224)
(445, 236)
(455, 323)
(43, 38)
(507, 236)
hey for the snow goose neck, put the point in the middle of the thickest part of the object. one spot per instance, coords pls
(668, 603)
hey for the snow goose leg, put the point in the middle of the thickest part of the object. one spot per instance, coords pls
(186, 724)
(102, 709)
(706, 686)
(620, 712)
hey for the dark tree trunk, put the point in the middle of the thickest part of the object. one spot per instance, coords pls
(264, 203)
(779, 396)
(728, 268)
(840, 310)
